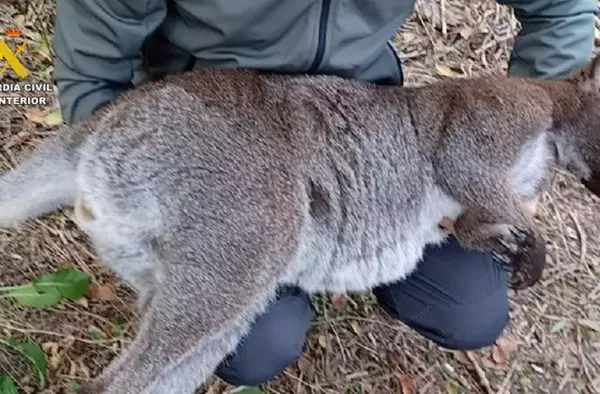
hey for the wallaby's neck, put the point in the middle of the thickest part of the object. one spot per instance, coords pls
(566, 96)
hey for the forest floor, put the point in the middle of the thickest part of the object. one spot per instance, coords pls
(552, 344)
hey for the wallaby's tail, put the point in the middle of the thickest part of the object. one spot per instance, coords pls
(42, 182)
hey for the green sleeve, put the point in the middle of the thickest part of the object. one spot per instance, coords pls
(98, 48)
(557, 36)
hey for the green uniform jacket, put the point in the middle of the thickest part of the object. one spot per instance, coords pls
(101, 45)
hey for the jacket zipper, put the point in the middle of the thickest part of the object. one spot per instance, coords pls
(326, 5)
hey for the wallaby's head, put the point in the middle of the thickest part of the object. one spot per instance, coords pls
(583, 121)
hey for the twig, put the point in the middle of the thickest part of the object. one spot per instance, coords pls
(303, 382)
(582, 244)
(506, 381)
(582, 237)
(515, 363)
(55, 334)
(443, 17)
(584, 366)
(483, 380)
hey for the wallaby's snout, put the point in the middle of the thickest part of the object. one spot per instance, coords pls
(584, 117)
(593, 184)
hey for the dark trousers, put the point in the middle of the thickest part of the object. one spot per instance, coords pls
(456, 298)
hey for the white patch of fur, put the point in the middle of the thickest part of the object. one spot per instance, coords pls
(531, 168)
(317, 270)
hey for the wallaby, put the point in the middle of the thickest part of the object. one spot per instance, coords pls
(207, 189)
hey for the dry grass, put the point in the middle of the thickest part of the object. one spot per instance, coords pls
(554, 326)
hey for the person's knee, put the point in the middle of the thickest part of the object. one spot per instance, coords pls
(471, 327)
(274, 343)
(457, 326)
(456, 298)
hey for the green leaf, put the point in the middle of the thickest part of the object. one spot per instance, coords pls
(117, 329)
(32, 354)
(7, 385)
(68, 282)
(558, 326)
(54, 118)
(32, 297)
(250, 390)
(96, 335)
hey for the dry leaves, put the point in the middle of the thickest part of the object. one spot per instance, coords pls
(303, 364)
(99, 292)
(501, 352)
(356, 327)
(19, 19)
(338, 302)
(591, 324)
(44, 117)
(445, 71)
(323, 341)
(52, 349)
(406, 382)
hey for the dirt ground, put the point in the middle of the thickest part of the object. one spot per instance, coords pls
(552, 344)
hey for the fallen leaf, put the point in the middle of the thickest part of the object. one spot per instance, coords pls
(445, 71)
(323, 341)
(303, 365)
(558, 326)
(461, 357)
(406, 383)
(7, 385)
(592, 324)
(573, 348)
(43, 48)
(82, 301)
(32, 354)
(96, 334)
(498, 355)
(466, 32)
(250, 390)
(52, 348)
(356, 327)
(486, 362)
(338, 302)
(54, 118)
(19, 19)
(35, 115)
(502, 349)
(105, 292)
(537, 368)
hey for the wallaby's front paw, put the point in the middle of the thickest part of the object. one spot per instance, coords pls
(523, 253)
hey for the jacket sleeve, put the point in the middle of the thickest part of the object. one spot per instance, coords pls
(98, 48)
(557, 36)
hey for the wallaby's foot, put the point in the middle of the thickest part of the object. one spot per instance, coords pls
(524, 256)
(519, 249)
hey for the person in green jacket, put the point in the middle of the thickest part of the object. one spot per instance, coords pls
(456, 298)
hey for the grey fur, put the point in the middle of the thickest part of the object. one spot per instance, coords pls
(207, 190)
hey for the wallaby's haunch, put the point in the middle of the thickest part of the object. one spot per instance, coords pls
(206, 190)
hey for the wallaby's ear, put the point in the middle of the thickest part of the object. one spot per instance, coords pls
(589, 76)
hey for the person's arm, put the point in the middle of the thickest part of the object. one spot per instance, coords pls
(98, 47)
(557, 37)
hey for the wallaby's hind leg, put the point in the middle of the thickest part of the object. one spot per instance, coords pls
(196, 317)
(122, 244)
